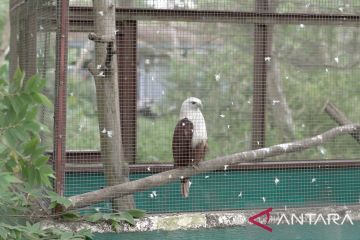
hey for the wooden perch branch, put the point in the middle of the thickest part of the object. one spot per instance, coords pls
(340, 118)
(128, 188)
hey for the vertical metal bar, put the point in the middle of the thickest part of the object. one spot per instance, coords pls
(14, 33)
(262, 40)
(60, 94)
(31, 39)
(22, 40)
(126, 57)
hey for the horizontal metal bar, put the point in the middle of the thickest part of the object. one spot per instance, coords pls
(81, 18)
(232, 16)
(90, 161)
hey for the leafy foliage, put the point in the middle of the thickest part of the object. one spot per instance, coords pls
(25, 174)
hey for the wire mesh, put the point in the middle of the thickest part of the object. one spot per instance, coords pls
(263, 79)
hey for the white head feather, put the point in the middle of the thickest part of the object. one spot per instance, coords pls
(190, 109)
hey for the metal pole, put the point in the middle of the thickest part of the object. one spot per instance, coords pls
(60, 94)
(262, 45)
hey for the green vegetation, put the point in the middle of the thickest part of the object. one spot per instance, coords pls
(315, 64)
(26, 176)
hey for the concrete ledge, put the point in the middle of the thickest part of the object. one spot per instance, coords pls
(187, 221)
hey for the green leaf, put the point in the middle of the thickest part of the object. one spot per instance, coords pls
(31, 145)
(42, 99)
(16, 82)
(32, 127)
(16, 104)
(94, 217)
(12, 179)
(127, 217)
(3, 233)
(20, 133)
(70, 216)
(32, 84)
(9, 139)
(52, 205)
(115, 226)
(41, 161)
(54, 197)
(136, 213)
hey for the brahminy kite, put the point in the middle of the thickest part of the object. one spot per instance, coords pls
(190, 139)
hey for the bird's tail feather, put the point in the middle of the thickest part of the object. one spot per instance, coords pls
(185, 187)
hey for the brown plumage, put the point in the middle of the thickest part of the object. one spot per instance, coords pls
(184, 153)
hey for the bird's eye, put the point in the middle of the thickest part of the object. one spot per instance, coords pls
(193, 102)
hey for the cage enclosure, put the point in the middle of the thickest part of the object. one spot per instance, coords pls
(267, 72)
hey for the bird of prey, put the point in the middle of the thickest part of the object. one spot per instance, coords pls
(190, 139)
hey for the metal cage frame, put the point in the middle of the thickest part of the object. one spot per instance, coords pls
(65, 19)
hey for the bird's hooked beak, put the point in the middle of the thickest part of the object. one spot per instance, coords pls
(200, 105)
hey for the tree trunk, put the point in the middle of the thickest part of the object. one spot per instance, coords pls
(105, 73)
(279, 106)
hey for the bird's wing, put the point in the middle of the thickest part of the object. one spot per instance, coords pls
(181, 145)
(199, 151)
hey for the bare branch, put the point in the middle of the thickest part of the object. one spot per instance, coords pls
(340, 118)
(155, 180)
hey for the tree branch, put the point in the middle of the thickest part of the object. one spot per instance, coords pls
(340, 118)
(155, 180)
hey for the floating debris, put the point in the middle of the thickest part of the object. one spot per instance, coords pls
(101, 74)
(275, 102)
(222, 115)
(240, 195)
(267, 59)
(313, 180)
(336, 59)
(225, 167)
(217, 77)
(322, 150)
(101, 13)
(110, 134)
(264, 199)
(276, 181)
(104, 130)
